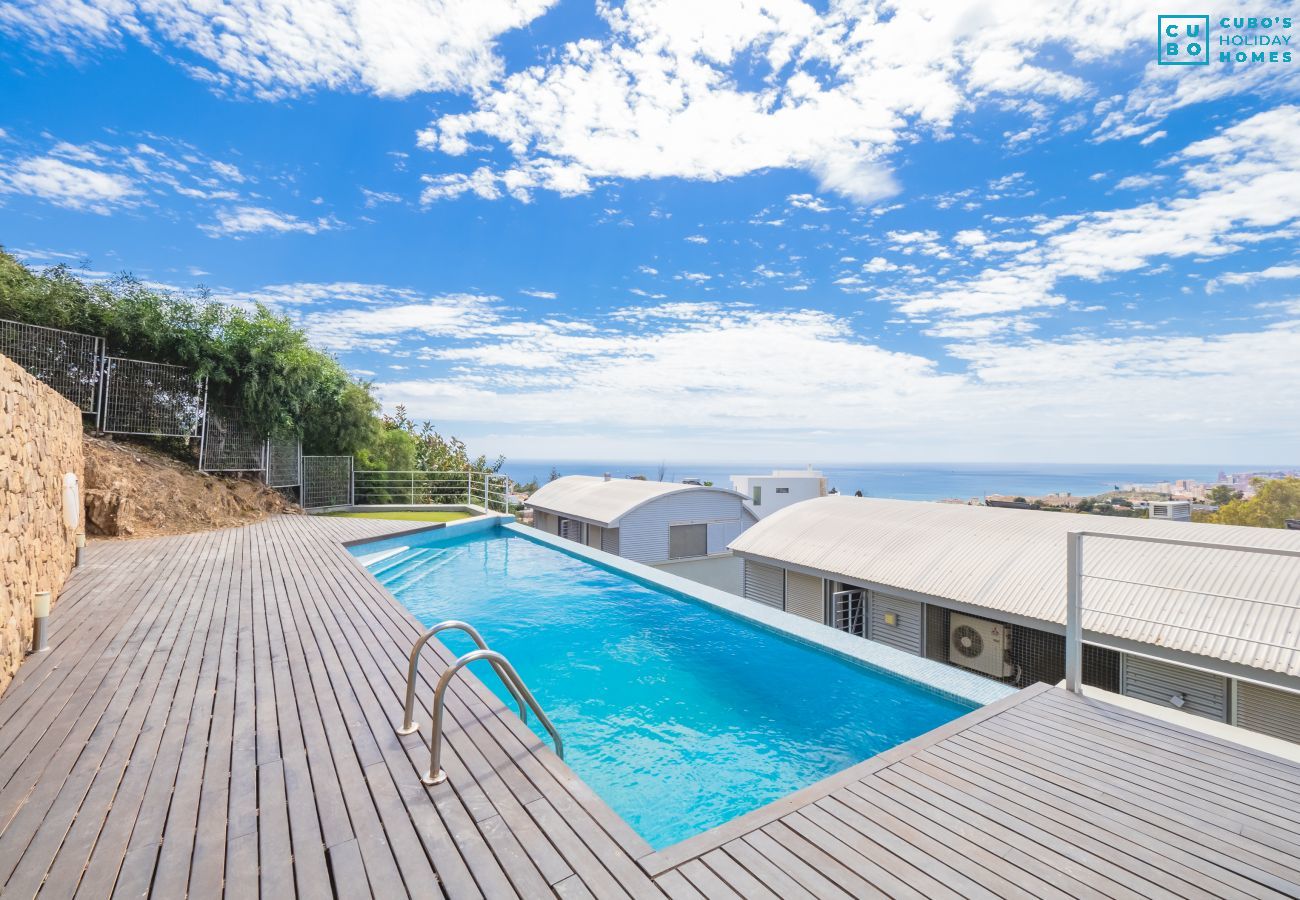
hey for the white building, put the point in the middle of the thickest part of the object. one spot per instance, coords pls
(680, 528)
(1171, 510)
(1207, 631)
(765, 494)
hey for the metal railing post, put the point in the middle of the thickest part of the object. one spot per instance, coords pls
(1074, 612)
(436, 775)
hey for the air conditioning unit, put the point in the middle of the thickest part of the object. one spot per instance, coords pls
(980, 645)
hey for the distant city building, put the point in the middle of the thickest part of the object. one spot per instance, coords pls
(765, 494)
(1171, 510)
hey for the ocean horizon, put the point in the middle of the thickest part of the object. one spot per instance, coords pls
(910, 481)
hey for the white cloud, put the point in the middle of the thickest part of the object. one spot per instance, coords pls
(69, 186)
(808, 202)
(1235, 278)
(384, 326)
(835, 93)
(1137, 182)
(228, 171)
(540, 295)
(390, 47)
(376, 198)
(697, 239)
(670, 376)
(1243, 187)
(243, 220)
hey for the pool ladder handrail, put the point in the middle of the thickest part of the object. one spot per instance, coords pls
(409, 725)
(507, 673)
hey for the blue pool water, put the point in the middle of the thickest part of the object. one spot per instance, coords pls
(680, 716)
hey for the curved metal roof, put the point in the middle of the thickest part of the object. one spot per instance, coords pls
(594, 499)
(1239, 607)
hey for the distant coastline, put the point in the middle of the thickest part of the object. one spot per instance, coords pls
(913, 481)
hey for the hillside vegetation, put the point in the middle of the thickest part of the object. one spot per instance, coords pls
(256, 361)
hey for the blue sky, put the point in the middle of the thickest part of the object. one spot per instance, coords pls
(839, 232)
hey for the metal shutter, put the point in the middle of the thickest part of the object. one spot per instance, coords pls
(609, 540)
(1268, 711)
(765, 584)
(571, 529)
(1204, 694)
(688, 541)
(905, 633)
(804, 596)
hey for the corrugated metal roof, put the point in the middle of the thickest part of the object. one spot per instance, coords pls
(605, 502)
(1009, 560)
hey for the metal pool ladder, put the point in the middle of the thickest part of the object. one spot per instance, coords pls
(505, 671)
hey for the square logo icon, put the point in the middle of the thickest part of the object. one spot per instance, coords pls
(1183, 40)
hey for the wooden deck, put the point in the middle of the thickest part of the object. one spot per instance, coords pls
(217, 715)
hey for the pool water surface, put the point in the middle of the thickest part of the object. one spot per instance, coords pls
(680, 716)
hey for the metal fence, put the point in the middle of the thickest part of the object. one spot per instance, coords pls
(69, 362)
(283, 461)
(326, 481)
(229, 443)
(148, 398)
(1229, 606)
(415, 487)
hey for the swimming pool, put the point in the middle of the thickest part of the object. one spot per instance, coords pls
(679, 716)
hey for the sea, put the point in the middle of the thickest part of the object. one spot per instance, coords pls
(908, 481)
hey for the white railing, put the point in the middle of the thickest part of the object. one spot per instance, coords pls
(414, 487)
(1257, 623)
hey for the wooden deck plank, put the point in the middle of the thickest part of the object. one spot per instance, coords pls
(117, 705)
(1206, 837)
(106, 820)
(217, 716)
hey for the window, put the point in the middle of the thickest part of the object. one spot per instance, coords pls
(757, 495)
(688, 540)
(783, 490)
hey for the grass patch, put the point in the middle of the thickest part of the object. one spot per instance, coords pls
(407, 515)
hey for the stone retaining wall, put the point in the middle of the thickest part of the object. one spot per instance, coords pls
(40, 440)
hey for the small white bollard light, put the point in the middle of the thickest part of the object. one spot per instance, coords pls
(81, 545)
(40, 612)
(71, 500)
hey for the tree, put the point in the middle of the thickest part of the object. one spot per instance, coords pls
(1275, 501)
(1223, 494)
(256, 361)
(435, 453)
(555, 474)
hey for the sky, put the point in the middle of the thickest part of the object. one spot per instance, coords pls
(826, 232)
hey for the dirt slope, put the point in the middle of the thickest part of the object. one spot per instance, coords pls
(132, 491)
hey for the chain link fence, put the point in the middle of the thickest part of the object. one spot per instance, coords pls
(283, 461)
(68, 362)
(326, 481)
(153, 399)
(229, 443)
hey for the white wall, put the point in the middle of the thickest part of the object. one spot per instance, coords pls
(722, 572)
(643, 533)
(799, 486)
